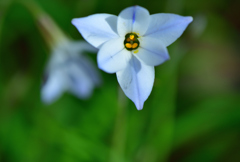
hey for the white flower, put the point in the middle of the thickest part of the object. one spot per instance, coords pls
(131, 44)
(69, 70)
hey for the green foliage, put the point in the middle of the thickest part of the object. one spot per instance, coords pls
(192, 114)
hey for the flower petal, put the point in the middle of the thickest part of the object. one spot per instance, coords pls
(151, 52)
(133, 19)
(136, 80)
(77, 47)
(97, 29)
(167, 27)
(53, 88)
(112, 56)
(88, 66)
(80, 83)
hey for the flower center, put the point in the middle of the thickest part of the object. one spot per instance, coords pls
(131, 42)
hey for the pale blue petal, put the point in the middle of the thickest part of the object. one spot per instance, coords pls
(75, 55)
(53, 87)
(79, 83)
(97, 29)
(167, 28)
(136, 81)
(90, 69)
(112, 56)
(151, 52)
(77, 47)
(133, 19)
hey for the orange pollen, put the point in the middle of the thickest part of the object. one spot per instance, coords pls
(134, 45)
(131, 42)
(128, 45)
(131, 37)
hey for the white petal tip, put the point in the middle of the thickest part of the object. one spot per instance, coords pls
(139, 106)
(74, 21)
(189, 19)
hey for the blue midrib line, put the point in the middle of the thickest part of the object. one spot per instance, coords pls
(137, 83)
(133, 17)
(169, 26)
(155, 53)
(111, 57)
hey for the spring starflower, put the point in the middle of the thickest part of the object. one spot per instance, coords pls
(131, 44)
(68, 70)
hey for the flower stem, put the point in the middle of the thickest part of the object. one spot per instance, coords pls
(51, 32)
(159, 138)
(119, 134)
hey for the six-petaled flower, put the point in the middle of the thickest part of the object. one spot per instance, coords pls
(131, 44)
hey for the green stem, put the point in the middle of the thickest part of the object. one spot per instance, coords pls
(161, 128)
(51, 32)
(119, 134)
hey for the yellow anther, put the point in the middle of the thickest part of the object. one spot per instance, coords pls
(134, 45)
(128, 45)
(131, 41)
(131, 37)
(136, 51)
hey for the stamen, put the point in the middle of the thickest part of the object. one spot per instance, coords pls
(136, 51)
(131, 42)
(128, 45)
(134, 45)
(131, 37)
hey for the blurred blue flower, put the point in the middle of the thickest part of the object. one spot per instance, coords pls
(69, 70)
(131, 45)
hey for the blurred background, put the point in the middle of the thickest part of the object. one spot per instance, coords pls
(192, 114)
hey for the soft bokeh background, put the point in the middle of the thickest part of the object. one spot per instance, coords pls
(192, 114)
